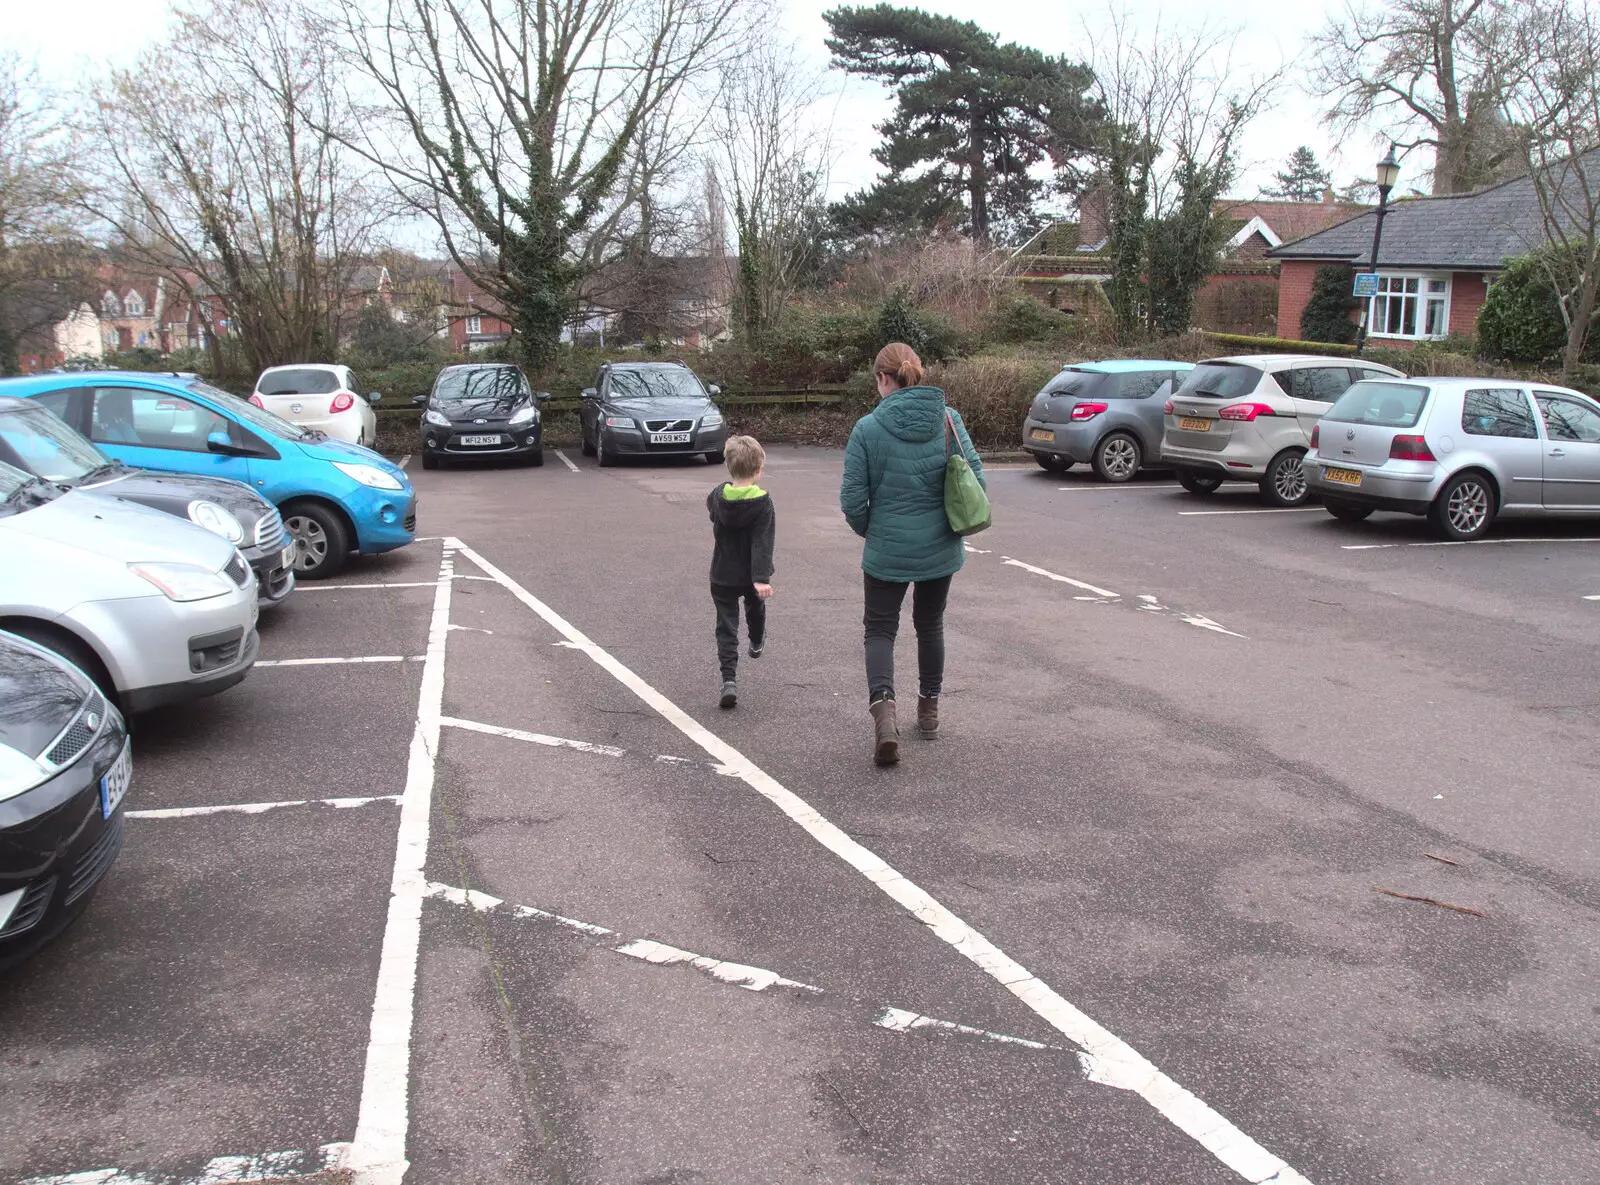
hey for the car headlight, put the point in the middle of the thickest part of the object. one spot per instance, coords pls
(183, 582)
(713, 420)
(526, 415)
(369, 475)
(19, 773)
(215, 519)
(619, 422)
(437, 419)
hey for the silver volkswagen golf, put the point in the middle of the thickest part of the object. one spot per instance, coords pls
(1463, 452)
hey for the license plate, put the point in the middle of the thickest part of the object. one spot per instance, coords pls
(669, 438)
(1043, 434)
(1191, 424)
(1345, 477)
(116, 781)
(492, 438)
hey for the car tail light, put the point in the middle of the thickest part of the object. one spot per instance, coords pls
(1166, 408)
(256, 399)
(1245, 411)
(1316, 434)
(1087, 411)
(343, 401)
(1410, 448)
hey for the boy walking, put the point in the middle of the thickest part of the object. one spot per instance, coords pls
(744, 523)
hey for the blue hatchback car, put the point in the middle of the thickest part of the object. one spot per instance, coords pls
(335, 498)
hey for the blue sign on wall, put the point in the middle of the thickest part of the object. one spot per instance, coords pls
(1366, 284)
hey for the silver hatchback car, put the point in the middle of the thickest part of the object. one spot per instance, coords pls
(1460, 451)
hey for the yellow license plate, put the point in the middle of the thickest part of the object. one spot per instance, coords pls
(1345, 477)
(1190, 424)
(1043, 434)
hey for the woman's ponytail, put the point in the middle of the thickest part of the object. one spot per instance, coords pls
(900, 362)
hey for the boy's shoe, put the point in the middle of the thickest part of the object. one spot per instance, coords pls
(928, 716)
(730, 694)
(756, 648)
(885, 733)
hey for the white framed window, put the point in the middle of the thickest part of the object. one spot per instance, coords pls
(133, 303)
(474, 326)
(1412, 305)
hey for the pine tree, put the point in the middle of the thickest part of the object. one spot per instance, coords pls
(1303, 180)
(972, 117)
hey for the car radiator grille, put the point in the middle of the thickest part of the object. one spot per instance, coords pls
(92, 864)
(238, 571)
(669, 425)
(79, 733)
(269, 529)
(30, 909)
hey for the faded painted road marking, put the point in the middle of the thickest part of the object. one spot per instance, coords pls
(220, 1170)
(534, 738)
(1115, 1062)
(1116, 488)
(1594, 597)
(1254, 510)
(378, 1153)
(328, 662)
(405, 460)
(257, 808)
(1150, 604)
(566, 460)
(1058, 578)
(305, 588)
(1460, 543)
(899, 1020)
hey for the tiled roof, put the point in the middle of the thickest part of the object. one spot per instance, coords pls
(1479, 230)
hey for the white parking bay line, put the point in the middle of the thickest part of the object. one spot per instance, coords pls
(378, 1153)
(257, 808)
(1459, 543)
(1111, 1060)
(1595, 597)
(566, 460)
(1253, 510)
(220, 1170)
(1049, 575)
(305, 588)
(404, 461)
(1121, 489)
(536, 738)
(324, 662)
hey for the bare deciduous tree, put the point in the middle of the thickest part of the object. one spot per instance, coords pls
(523, 129)
(45, 268)
(219, 170)
(1428, 74)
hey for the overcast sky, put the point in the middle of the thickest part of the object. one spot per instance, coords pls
(1270, 32)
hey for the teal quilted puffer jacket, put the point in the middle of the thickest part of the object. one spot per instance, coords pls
(893, 489)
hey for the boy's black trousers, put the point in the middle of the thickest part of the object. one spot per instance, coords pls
(726, 597)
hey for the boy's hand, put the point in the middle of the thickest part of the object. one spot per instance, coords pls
(764, 591)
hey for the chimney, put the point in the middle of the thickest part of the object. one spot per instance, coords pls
(1094, 216)
(1328, 197)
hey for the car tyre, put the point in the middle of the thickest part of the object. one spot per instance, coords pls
(1285, 482)
(1347, 512)
(602, 458)
(1117, 458)
(588, 449)
(1051, 463)
(429, 461)
(535, 459)
(716, 458)
(1199, 484)
(322, 541)
(1465, 508)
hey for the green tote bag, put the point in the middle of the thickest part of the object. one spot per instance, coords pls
(965, 503)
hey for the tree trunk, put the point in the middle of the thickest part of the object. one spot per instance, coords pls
(1582, 317)
(978, 180)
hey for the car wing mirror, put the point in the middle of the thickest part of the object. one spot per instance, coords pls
(419, 400)
(714, 389)
(374, 397)
(542, 396)
(590, 393)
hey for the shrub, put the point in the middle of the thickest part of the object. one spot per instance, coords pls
(1021, 319)
(1326, 317)
(992, 392)
(1521, 319)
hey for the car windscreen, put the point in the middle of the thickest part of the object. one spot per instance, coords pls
(309, 380)
(665, 382)
(35, 440)
(256, 417)
(474, 384)
(21, 491)
(1220, 380)
(1385, 405)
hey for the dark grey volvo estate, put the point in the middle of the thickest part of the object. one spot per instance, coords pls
(651, 409)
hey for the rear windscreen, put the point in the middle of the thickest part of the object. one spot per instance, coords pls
(1074, 382)
(1220, 380)
(299, 382)
(1387, 405)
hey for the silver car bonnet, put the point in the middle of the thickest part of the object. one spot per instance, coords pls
(119, 530)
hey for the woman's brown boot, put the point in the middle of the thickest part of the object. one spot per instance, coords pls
(928, 716)
(885, 733)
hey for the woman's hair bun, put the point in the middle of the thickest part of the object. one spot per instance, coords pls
(900, 362)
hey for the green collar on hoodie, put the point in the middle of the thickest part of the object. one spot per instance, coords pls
(733, 493)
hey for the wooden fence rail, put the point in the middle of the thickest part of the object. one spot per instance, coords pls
(761, 397)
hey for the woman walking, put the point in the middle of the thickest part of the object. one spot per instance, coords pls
(893, 496)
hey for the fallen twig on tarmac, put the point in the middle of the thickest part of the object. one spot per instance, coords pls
(1477, 913)
(1442, 859)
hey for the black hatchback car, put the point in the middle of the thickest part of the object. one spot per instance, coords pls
(65, 766)
(37, 442)
(651, 409)
(482, 409)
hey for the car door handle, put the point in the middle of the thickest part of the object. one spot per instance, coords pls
(1556, 452)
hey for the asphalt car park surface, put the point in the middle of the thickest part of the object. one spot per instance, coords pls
(566, 921)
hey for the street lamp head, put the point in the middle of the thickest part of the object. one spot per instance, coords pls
(1388, 172)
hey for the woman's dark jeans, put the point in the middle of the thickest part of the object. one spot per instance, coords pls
(882, 621)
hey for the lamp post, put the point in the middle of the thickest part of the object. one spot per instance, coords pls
(1388, 174)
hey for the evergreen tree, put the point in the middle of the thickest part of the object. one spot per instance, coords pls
(1302, 179)
(972, 117)
(1326, 317)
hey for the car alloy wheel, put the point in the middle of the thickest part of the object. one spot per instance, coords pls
(1285, 483)
(310, 543)
(322, 542)
(1117, 458)
(1465, 508)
